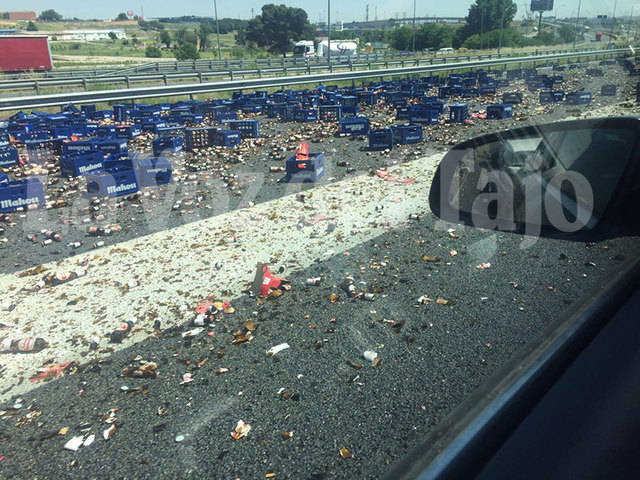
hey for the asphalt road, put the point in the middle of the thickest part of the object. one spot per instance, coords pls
(321, 390)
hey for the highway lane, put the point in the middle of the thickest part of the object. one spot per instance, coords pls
(321, 390)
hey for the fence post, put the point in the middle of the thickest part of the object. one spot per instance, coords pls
(165, 79)
(126, 79)
(84, 84)
(37, 85)
(200, 76)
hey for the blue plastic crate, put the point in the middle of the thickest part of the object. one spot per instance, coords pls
(91, 128)
(108, 131)
(287, 112)
(101, 114)
(368, 98)
(228, 138)
(500, 111)
(128, 131)
(247, 128)
(170, 130)
(306, 115)
(167, 145)
(502, 82)
(381, 139)
(402, 113)
(444, 92)
(81, 164)
(153, 171)
(61, 132)
(355, 126)
(595, 72)
(121, 112)
(487, 90)
(69, 148)
(115, 146)
(8, 156)
(4, 140)
(113, 182)
(608, 90)
(305, 170)
(21, 194)
(424, 114)
(40, 151)
(552, 97)
(199, 138)
(469, 82)
(273, 109)
(458, 112)
(330, 113)
(578, 98)
(150, 124)
(406, 134)
(251, 108)
(469, 92)
(88, 109)
(512, 98)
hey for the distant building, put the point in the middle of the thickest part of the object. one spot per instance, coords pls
(22, 16)
(88, 35)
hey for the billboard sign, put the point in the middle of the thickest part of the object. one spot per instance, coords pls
(541, 5)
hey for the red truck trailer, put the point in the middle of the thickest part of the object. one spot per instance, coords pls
(598, 36)
(20, 53)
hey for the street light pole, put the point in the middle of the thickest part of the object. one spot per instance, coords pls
(414, 26)
(501, 28)
(575, 33)
(215, 10)
(329, 33)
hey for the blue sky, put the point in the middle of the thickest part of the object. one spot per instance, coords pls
(316, 9)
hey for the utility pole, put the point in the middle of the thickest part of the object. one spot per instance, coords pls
(575, 34)
(414, 26)
(366, 18)
(481, 25)
(215, 11)
(501, 27)
(329, 33)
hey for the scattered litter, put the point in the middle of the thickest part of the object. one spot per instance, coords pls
(242, 430)
(278, 348)
(370, 355)
(74, 443)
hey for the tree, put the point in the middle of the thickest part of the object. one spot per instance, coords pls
(402, 38)
(567, 33)
(203, 35)
(278, 26)
(122, 17)
(187, 51)
(50, 16)
(113, 36)
(165, 37)
(31, 27)
(153, 52)
(485, 16)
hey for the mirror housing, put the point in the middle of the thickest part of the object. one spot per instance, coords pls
(561, 177)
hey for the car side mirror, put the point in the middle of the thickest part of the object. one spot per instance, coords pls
(562, 177)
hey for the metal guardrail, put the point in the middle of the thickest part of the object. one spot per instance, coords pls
(26, 102)
(307, 67)
(233, 64)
